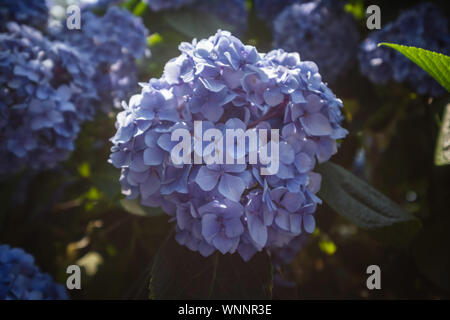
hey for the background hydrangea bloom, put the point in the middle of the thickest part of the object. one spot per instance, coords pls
(229, 85)
(21, 279)
(423, 26)
(46, 91)
(232, 12)
(31, 12)
(269, 9)
(320, 31)
(110, 44)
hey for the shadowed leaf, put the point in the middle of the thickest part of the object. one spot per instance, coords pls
(365, 206)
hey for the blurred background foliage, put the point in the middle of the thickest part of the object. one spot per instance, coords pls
(76, 214)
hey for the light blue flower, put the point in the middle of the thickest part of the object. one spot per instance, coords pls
(320, 31)
(221, 224)
(225, 177)
(228, 85)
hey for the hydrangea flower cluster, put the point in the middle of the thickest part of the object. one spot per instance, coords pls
(21, 279)
(268, 9)
(321, 31)
(110, 44)
(229, 85)
(423, 26)
(31, 12)
(233, 12)
(45, 93)
(51, 83)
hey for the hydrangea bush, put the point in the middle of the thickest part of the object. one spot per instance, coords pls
(31, 12)
(110, 44)
(232, 12)
(21, 279)
(269, 9)
(423, 26)
(320, 31)
(52, 82)
(46, 92)
(229, 85)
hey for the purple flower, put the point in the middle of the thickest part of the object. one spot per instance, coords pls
(42, 119)
(110, 44)
(222, 225)
(158, 5)
(229, 86)
(321, 31)
(226, 177)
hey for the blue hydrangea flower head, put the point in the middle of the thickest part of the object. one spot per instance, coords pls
(46, 91)
(423, 26)
(31, 12)
(21, 279)
(228, 85)
(320, 31)
(232, 12)
(110, 44)
(268, 9)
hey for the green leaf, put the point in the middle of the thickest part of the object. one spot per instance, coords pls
(365, 206)
(436, 64)
(195, 24)
(134, 207)
(179, 273)
(140, 9)
(154, 39)
(442, 152)
(84, 169)
(356, 8)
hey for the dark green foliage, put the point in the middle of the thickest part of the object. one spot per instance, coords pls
(179, 273)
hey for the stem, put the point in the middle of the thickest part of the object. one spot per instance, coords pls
(272, 113)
